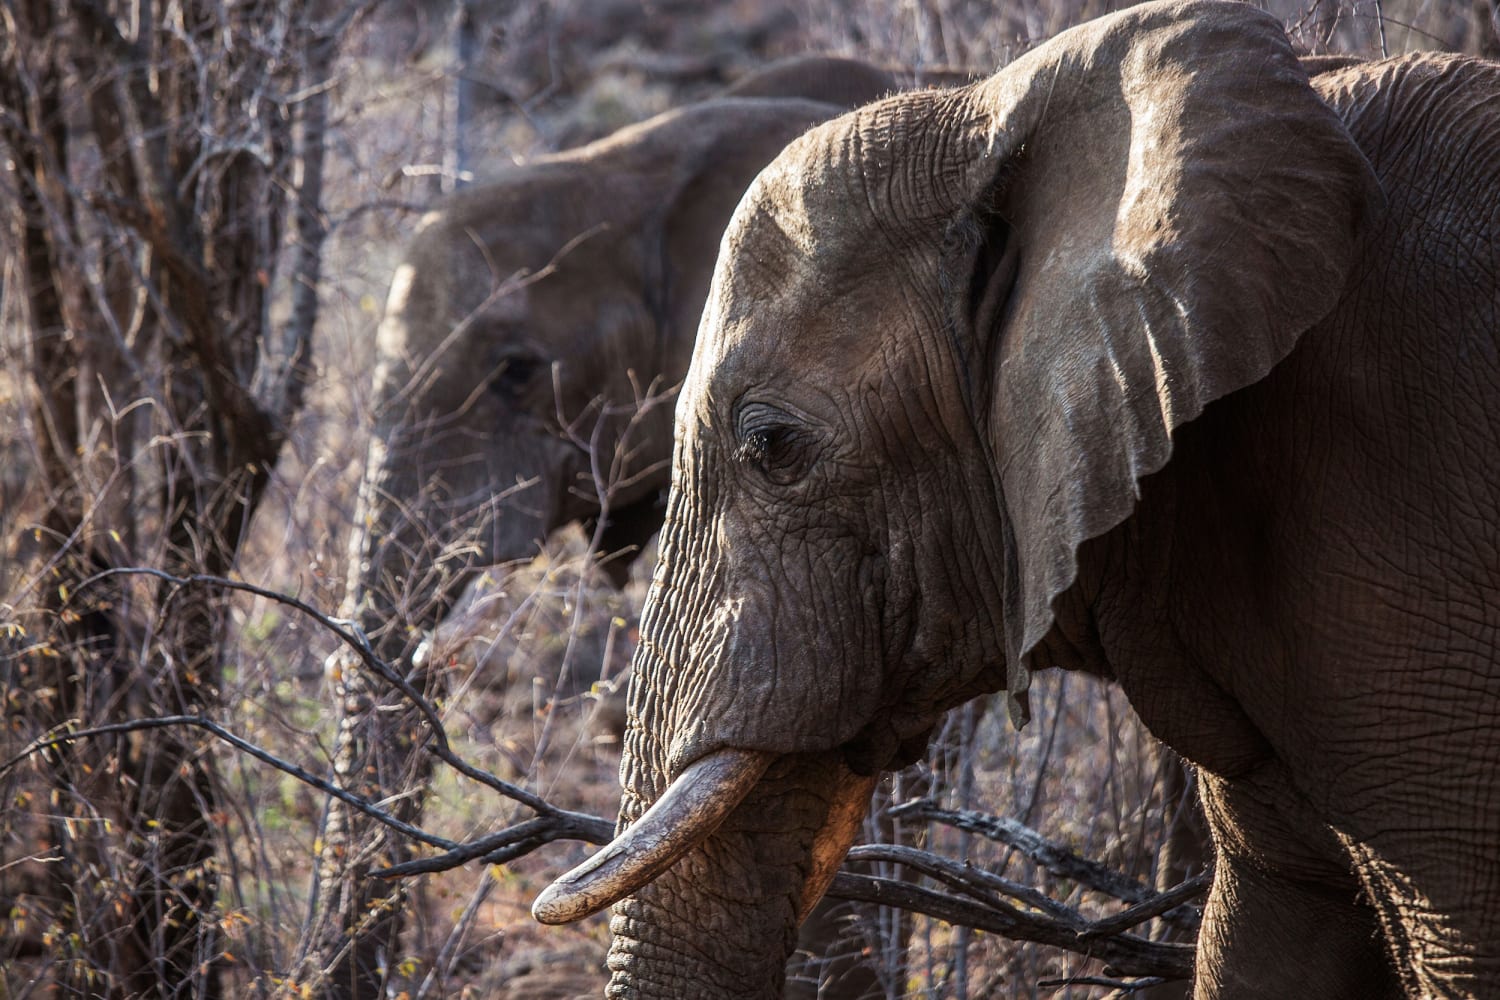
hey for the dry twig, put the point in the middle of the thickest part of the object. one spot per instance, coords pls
(979, 899)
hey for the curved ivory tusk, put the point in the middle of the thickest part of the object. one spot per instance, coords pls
(834, 838)
(690, 809)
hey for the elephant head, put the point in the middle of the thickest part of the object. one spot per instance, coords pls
(949, 336)
(533, 339)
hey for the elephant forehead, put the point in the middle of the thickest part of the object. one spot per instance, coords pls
(816, 204)
(840, 212)
(817, 265)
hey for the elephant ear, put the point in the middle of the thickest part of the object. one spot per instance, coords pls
(1181, 207)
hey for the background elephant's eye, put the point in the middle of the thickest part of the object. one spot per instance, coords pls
(514, 374)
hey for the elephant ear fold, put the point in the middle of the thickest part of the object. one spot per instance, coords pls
(713, 152)
(1166, 206)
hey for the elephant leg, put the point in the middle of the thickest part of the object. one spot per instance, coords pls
(1287, 916)
(1416, 805)
(1432, 898)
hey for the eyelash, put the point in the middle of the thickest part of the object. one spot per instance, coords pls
(760, 442)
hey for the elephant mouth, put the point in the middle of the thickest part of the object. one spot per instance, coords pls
(694, 806)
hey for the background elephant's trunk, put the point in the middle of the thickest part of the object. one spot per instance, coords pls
(426, 520)
(430, 514)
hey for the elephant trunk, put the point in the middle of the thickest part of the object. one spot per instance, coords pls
(722, 860)
(723, 920)
(396, 585)
(430, 513)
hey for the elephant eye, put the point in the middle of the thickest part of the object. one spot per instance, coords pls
(769, 440)
(514, 374)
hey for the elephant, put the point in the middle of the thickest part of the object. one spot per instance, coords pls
(1152, 357)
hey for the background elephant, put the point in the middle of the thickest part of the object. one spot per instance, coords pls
(1147, 357)
(530, 351)
(528, 331)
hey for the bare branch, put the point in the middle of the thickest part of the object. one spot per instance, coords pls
(511, 843)
(1118, 985)
(1055, 858)
(265, 756)
(352, 636)
(1123, 954)
(974, 882)
(1162, 904)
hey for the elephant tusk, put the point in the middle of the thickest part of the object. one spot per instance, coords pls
(842, 825)
(691, 809)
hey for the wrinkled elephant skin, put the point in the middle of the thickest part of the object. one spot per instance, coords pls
(1150, 356)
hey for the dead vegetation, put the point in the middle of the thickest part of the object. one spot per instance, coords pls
(533, 661)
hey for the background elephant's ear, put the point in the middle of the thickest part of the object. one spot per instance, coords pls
(1181, 208)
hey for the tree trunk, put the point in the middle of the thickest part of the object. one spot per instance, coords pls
(148, 261)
